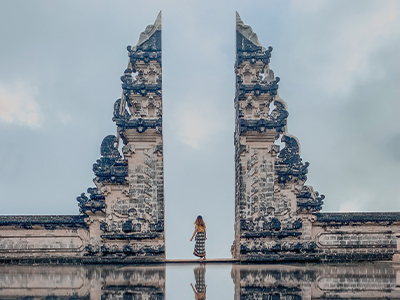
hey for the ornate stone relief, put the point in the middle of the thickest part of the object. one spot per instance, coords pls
(270, 192)
(126, 209)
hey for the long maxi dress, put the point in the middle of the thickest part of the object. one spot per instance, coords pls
(200, 238)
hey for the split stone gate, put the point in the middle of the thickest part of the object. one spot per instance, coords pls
(276, 214)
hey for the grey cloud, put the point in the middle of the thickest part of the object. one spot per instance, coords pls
(392, 147)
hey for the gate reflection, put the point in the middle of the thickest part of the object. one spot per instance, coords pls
(82, 282)
(357, 281)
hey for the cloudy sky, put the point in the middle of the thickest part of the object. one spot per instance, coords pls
(60, 63)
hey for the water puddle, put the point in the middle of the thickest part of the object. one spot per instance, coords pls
(201, 281)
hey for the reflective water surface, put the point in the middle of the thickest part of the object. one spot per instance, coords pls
(201, 281)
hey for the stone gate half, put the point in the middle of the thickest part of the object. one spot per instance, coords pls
(272, 201)
(276, 214)
(128, 221)
(121, 218)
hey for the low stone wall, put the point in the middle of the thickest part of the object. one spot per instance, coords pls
(336, 236)
(42, 239)
(324, 237)
(73, 240)
(355, 236)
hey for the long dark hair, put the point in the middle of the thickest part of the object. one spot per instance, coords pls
(199, 221)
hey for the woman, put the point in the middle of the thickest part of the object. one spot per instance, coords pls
(200, 232)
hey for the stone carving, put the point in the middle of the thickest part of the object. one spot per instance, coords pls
(135, 223)
(250, 48)
(277, 215)
(288, 165)
(127, 205)
(270, 191)
(93, 204)
(308, 200)
(149, 44)
(247, 32)
(290, 169)
(110, 168)
(261, 120)
(142, 96)
(142, 85)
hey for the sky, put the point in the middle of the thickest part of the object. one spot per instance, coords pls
(60, 64)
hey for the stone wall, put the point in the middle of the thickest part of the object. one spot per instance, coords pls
(356, 236)
(335, 237)
(276, 214)
(42, 239)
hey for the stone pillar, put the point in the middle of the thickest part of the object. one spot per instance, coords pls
(396, 255)
(270, 198)
(127, 210)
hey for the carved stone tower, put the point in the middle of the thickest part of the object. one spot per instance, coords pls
(126, 209)
(273, 206)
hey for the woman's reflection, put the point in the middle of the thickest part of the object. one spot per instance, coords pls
(200, 287)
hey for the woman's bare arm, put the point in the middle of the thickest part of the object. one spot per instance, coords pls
(193, 235)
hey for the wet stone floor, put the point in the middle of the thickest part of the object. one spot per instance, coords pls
(202, 281)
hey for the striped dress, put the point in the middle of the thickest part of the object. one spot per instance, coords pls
(199, 247)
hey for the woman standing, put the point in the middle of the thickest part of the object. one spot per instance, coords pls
(200, 232)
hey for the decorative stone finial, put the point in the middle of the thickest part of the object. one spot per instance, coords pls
(150, 30)
(247, 32)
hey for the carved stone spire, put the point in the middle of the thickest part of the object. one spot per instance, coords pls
(126, 209)
(247, 32)
(150, 30)
(271, 200)
(141, 85)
